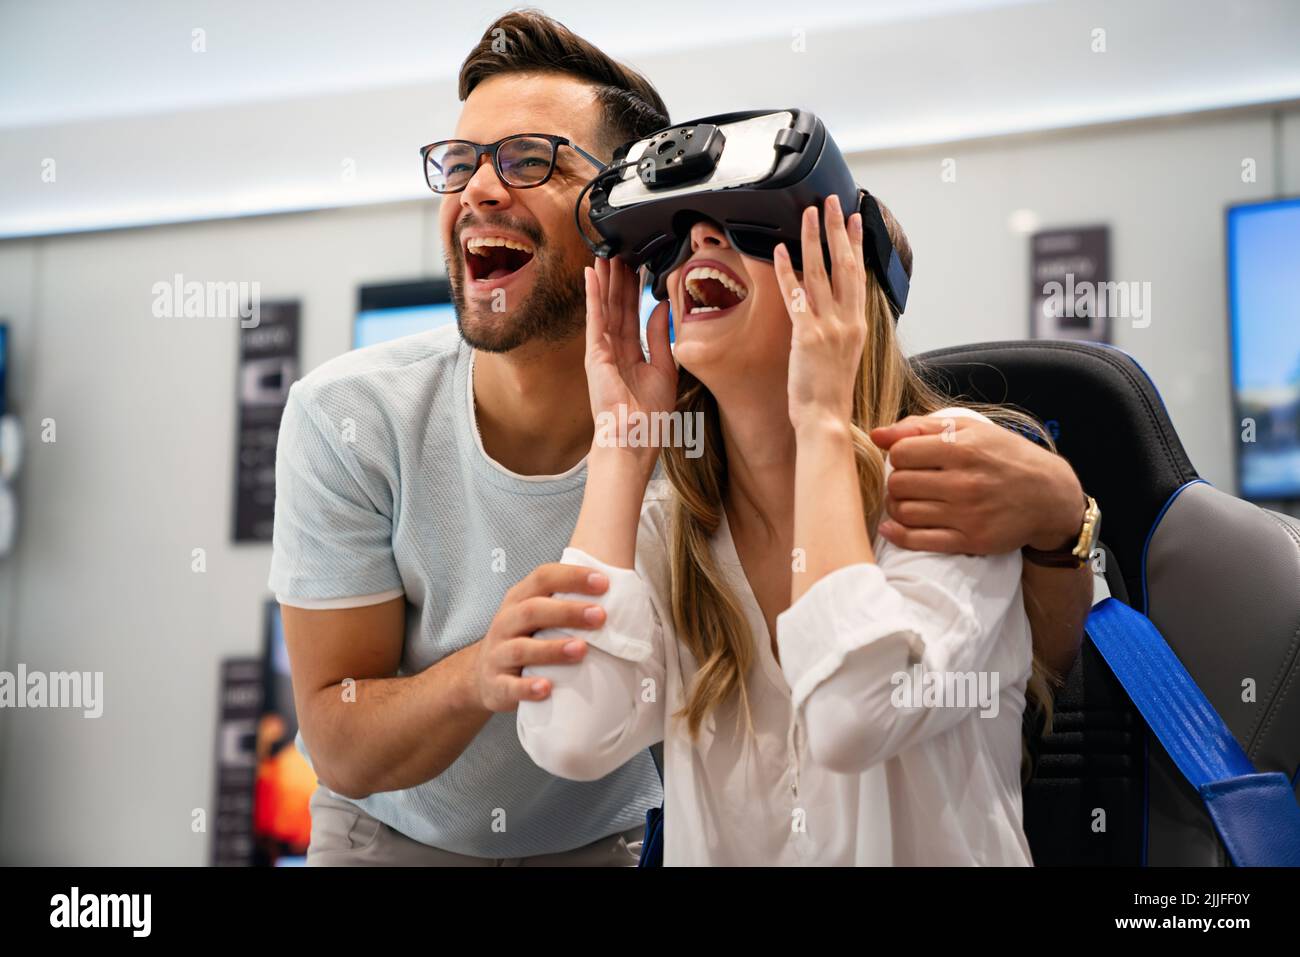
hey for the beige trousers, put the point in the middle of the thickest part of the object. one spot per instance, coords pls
(343, 835)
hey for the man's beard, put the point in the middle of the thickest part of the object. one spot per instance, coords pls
(554, 311)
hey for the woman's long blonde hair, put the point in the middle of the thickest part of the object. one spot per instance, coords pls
(706, 613)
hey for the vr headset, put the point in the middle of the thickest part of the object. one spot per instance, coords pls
(752, 173)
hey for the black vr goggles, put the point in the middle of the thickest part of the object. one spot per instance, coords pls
(752, 173)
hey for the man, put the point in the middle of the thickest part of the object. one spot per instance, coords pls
(425, 487)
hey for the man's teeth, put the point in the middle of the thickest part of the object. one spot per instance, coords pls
(698, 273)
(476, 244)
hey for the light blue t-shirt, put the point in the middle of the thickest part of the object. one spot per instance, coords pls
(383, 489)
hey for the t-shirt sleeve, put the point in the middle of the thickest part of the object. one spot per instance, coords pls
(333, 533)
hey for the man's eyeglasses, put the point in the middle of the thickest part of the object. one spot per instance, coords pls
(521, 161)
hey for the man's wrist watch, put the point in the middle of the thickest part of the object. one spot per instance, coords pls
(1073, 554)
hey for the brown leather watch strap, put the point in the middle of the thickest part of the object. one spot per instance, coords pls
(1061, 558)
(1067, 556)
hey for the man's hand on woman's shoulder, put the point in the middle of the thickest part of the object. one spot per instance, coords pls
(964, 485)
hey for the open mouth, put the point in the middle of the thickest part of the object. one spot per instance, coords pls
(490, 258)
(711, 290)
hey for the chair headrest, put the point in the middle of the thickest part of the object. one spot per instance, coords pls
(1102, 409)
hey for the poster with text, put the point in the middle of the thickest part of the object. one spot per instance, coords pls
(236, 759)
(1069, 272)
(268, 366)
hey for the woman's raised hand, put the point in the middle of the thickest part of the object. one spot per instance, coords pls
(828, 314)
(618, 373)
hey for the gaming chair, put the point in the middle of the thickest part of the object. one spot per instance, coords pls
(1218, 581)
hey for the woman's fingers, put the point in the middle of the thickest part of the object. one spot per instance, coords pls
(624, 325)
(629, 311)
(632, 305)
(606, 273)
(602, 277)
(614, 315)
(796, 302)
(855, 240)
(661, 354)
(816, 285)
(595, 311)
(844, 270)
(617, 279)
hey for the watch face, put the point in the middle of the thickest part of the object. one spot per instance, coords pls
(1091, 530)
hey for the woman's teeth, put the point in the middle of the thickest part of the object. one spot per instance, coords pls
(697, 277)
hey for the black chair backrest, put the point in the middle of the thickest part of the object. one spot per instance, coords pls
(1194, 559)
(1105, 415)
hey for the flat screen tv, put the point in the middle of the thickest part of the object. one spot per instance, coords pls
(1263, 242)
(393, 310)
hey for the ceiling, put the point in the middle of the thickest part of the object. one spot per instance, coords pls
(144, 130)
(63, 60)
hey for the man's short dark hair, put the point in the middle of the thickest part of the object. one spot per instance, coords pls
(528, 41)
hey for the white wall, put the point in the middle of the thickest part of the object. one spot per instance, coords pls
(257, 124)
(1162, 187)
(140, 475)
(142, 470)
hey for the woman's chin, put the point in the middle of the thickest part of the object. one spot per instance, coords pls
(706, 336)
(688, 354)
(717, 365)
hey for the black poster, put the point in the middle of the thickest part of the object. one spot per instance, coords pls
(236, 765)
(268, 366)
(1069, 272)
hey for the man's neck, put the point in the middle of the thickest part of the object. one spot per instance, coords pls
(531, 405)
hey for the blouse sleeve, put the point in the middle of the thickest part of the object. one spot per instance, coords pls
(859, 647)
(607, 707)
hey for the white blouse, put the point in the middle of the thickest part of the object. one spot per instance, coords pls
(889, 733)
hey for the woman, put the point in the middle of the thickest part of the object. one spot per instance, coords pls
(815, 687)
